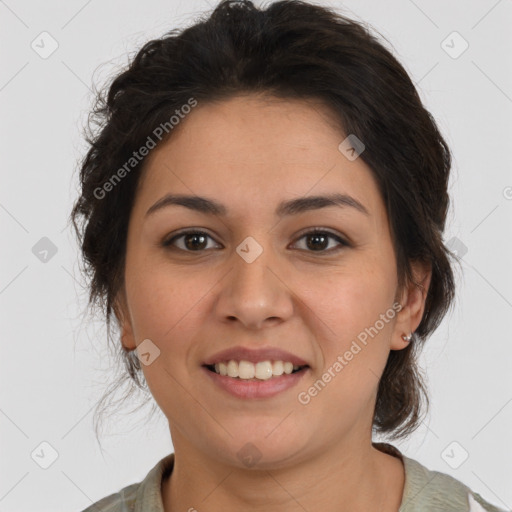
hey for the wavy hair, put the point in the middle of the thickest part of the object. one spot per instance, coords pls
(291, 50)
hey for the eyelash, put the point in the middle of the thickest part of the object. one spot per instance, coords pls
(315, 231)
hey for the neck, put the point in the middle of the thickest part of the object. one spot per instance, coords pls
(343, 478)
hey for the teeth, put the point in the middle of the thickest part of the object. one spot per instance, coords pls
(277, 368)
(232, 369)
(262, 370)
(246, 369)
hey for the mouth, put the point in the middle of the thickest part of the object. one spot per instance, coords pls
(246, 372)
(249, 385)
(260, 371)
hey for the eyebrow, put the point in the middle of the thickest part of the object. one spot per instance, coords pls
(290, 207)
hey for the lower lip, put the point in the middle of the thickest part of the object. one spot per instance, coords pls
(256, 389)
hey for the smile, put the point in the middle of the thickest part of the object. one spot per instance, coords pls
(247, 384)
(262, 370)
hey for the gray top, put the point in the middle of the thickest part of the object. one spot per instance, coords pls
(424, 490)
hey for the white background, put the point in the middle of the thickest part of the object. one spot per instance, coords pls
(51, 355)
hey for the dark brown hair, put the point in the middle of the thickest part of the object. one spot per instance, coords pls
(290, 50)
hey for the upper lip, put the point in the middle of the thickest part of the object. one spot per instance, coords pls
(255, 355)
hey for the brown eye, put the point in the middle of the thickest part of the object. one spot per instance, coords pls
(318, 241)
(191, 241)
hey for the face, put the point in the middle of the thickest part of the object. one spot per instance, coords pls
(256, 276)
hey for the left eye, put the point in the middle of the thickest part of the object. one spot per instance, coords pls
(195, 241)
(318, 238)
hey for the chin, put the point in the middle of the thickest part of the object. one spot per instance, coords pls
(263, 451)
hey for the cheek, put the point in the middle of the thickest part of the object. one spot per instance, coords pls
(351, 300)
(353, 320)
(354, 343)
(164, 304)
(165, 308)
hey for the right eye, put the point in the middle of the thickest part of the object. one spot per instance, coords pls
(193, 241)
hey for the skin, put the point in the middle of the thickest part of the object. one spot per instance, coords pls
(250, 153)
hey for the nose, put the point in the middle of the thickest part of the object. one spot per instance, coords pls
(255, 293)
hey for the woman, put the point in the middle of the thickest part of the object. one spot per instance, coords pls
(263, 211)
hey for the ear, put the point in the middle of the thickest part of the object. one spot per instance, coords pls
(124, 321)
(413, 304)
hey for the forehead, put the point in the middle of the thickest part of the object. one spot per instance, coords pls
(252, 152)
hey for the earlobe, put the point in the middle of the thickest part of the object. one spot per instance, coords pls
(127, 338)
(124, 322)
(407, 338)
(413, 306)
(127, 342)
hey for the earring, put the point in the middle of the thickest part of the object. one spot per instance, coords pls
(407, 338)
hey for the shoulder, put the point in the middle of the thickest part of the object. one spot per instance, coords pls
(144, 496)
(426, 490)
(122, 501)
